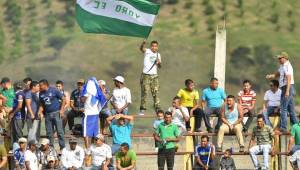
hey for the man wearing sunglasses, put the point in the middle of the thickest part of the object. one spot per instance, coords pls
(285, 74)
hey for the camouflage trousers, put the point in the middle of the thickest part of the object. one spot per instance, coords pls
(149, 83)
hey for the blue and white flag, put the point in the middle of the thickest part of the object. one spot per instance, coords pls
(91, 87)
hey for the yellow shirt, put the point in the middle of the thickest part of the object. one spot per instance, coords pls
(188, 97)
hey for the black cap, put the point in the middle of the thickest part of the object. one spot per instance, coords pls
(5, 80)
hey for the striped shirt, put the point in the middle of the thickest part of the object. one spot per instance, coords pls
(247, 98)
(263, 135)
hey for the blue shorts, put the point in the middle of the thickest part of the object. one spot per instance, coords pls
(90, 124)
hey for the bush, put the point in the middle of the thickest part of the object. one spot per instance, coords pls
(290, 13)
(292, 26)
(274, 18)
(57, 42)
(188, 4)
(174, 11)
(224, 4)
(51, 22)
(205, 2)
(16, 50)
(209, 10)
(34, 38)
(172, 1)
(240, 3)
(210, 24)
(2, 43)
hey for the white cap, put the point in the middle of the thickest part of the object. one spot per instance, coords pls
(100, 136)
(45, 141)
(50, 158)
(23, 140)
(102, 82)
(120, 79)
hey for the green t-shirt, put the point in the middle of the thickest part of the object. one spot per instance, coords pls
(295, 132)
(126, 160)
(167, 131)
(263, 135)
(10, 95)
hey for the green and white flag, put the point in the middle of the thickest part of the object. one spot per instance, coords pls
(118, 17)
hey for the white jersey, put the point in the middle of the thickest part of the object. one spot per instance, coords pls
(149, 59)
(178, 118)
(99, 154)
(121, 96)
(32, 159)
(273, 98)
(90, 109)
(70, 158)
(284, 70)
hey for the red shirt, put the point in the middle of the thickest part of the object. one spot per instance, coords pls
(247, 98)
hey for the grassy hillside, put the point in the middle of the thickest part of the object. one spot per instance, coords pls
(48, 43)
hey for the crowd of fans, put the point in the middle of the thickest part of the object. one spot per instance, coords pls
(30, 102)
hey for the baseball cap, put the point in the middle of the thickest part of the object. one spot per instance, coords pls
(80, 81)
(32, 142)
(50, 158)
(5, 80)
(283, 54)
(100, 136)
(45, 141)
(102, 82)
(120, 79)
(22, 140)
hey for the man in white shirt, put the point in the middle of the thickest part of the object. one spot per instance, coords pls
(100, 154)
(271, 101)
(286, 84)
(180, 114)
(31, 161)
(72, 158)
(149, 78)
(121, 97)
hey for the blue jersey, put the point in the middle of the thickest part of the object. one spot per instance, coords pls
(50, 99)
(203, 153)
(213, 98)
(20, 97)
(19, 157)
(34, 97)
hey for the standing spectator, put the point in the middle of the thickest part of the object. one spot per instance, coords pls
(126, 158)
(31, 161)
(17, 115)
(100, 153)
(180, 114)
(19, 154)
(32, 105)
(53, 110)
(27, 82)
(286, 84)
(121, 97)
(3, 155)
(120, 131)
(227, 162)
(213, 98)
(66, 95)
(159, 119)
(167, 134)
(149, 78)
(7, 95)
(105, 111)
(263, 134)
(247, 99)
(72, 158)
(232, 117)
(189, 98)
(271, 101)
(76, 105)
(93, 99)
(294, 141)
(204, 154)
(45, 151)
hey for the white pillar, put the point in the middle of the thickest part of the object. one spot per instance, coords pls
(220, 56)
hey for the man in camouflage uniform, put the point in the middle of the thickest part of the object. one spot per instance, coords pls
(149, 77)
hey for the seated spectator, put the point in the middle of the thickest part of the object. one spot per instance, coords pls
(180, 114)
(126, 158)
(100, 154)
(231, 116)
(72, 157)
(247, 99)
(294, 141)
(204, 154)
(121, 130)
(159, 119)
(272, 101)
(213, 98)
(19, 154)
(189, 98)
(121, 97)
(167, 135)
(227, 162)
(51, 163)
(3, 155)
(45, 151)
(31, 161)
(263, 134)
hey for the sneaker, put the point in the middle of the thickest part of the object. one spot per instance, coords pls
(142, 112)
(198, 130)
(242, 149)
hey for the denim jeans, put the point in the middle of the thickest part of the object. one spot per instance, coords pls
(115, 148)
(287, 105)
(165, 155)
(270, 110)
(53, 120)
(207, 112)
(295, 148)
(265, 149)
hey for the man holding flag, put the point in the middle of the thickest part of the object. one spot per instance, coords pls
(93, 100)
(149, 78)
